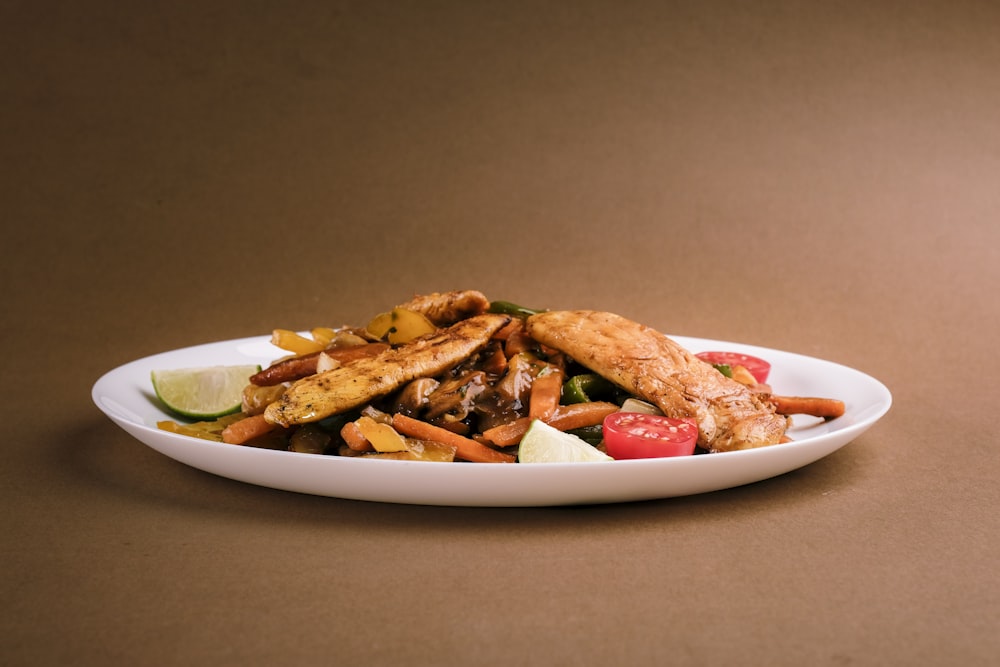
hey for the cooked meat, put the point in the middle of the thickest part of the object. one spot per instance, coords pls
(358, 382)
(294, 368)
(652, 366)
(444, 309)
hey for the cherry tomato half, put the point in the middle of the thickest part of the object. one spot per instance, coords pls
(636, 435)
(757, 367)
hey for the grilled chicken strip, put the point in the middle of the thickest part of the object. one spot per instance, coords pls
(446, 308)
(358, 382)
(652, 366)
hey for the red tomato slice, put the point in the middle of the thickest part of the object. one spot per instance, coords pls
(757, 367)
(635, 435)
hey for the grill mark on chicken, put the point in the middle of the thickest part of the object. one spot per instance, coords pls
(363, 380)
(650, 365)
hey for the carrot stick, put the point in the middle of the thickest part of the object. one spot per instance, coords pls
(355, 439)
(511, 327)
(828, 408)
(466, 448)
(564, 418)
(496, 363)
(546, 391)
(578, 415)
(245, 430)
(517, 342)
(508, 434)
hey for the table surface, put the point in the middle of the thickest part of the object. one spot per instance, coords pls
(822, 180)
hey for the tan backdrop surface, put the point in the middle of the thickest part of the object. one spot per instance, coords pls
(822, 180)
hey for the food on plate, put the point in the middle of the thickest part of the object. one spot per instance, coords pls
(202, 393)
(729, 362)
(353, 384)
(297, 367)
(543, 443)
(466, 449)
(827, 408)
(447, 308)
(454, 376)
(641, 435)
(653, 367)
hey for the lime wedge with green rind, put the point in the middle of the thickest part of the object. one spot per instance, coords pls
(203, 393)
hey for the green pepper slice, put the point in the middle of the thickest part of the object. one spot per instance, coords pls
(584, 388)
(725, 369)
(592, 435)
(508, 308)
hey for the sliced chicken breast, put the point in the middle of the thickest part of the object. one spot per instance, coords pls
(446, 308)
(363, 380)
(655, 368)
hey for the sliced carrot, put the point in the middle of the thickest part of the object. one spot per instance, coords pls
(828, 408)
(519, 341)
(546, 390)
(508, 434)
(564, 418)
(515, 324)
(245, 430)
(496, 363)
(355, 439)
(578, 415)
(465, 448)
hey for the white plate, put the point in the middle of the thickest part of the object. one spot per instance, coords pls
(126, 396)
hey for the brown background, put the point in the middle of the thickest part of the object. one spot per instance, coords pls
(816, 179)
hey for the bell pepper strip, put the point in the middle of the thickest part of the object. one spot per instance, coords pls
(725, 369)
(592, 435)
(205, 430)
(508, 308)
(585, 387)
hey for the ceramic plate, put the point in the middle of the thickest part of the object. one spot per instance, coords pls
(125, 395)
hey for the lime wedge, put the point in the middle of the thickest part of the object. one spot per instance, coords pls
(546, 444)
(203, 393)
